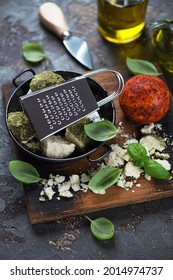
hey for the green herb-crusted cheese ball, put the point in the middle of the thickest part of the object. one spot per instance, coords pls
(21, 126)
(75, 133)
(45, 79)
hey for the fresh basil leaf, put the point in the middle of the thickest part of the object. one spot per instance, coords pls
(104, 178)
(33, 52)
(138, 154)
(101, 130)
(24, 172)
(156, 170)
(102, 228)
(139, 66)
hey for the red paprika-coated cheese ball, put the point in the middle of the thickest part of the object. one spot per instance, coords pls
(145, 99)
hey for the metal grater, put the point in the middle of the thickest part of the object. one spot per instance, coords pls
(53, 109)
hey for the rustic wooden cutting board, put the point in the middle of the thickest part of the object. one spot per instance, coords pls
(83, 203)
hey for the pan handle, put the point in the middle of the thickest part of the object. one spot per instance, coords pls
(20, 74)
(116, 93)
(102, 156)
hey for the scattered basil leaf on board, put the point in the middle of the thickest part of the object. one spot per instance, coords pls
(138, 154)
(156, 170)
(102, 228)
(104, 178)
(24, 172)
(139, 66)
(101, 130)
(33, 52)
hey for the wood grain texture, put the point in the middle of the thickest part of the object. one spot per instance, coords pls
(83, 203)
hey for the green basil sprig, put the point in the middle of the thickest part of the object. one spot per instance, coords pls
(24, 172)
(102, 228)
(104, 178)
(101, 130)
(33, 52)
(140, 66)
(156, 170)
(138, 154)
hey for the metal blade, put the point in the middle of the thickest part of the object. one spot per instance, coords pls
(78, 48)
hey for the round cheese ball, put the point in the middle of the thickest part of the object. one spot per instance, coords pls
(145, 99)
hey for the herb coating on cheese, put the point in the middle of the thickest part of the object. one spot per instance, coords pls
(45, 79)
(20, 126)
(75, 133)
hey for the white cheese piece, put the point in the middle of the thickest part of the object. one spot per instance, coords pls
(121, 183)
(117, 157)
(64, 186)
(49, 192)
(147, 177)
(130, 170)
(50, 182)
(75, 187)
(161, 155)
(130, 141)
(84, 187)
(57, 147)
(113, 160)
(74, 179)
(66, 194)
(148, 128)
(85, 178)
(42, 198)
(124, 184)
(75, 182)
(59, 178)
(152, 143)
(158, 126)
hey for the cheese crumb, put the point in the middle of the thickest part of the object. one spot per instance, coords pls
(131, 170)
(152, 143)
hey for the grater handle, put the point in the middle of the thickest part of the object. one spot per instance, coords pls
(116, 93)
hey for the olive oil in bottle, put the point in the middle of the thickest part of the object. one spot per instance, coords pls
(121, 21)
(162, 43)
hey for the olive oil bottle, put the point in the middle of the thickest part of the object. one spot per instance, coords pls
(121, 21)
(162, 43)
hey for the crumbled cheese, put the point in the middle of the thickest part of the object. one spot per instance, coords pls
(85, 178)
(118, 157)
(84, 187)
(66, 194)
(147, 177)
(161, 155)
(49, 192)
(113, 160)
(74, 179)
(123, 183)
(64, 186)
(130, 141)
(42, 198)
(131, 170)
(152, 143)
(148, 129)
(50, 182)
(59, 179)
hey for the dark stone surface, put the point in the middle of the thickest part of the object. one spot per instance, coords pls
(143, 231)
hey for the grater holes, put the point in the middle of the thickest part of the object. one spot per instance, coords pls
(60, 107)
